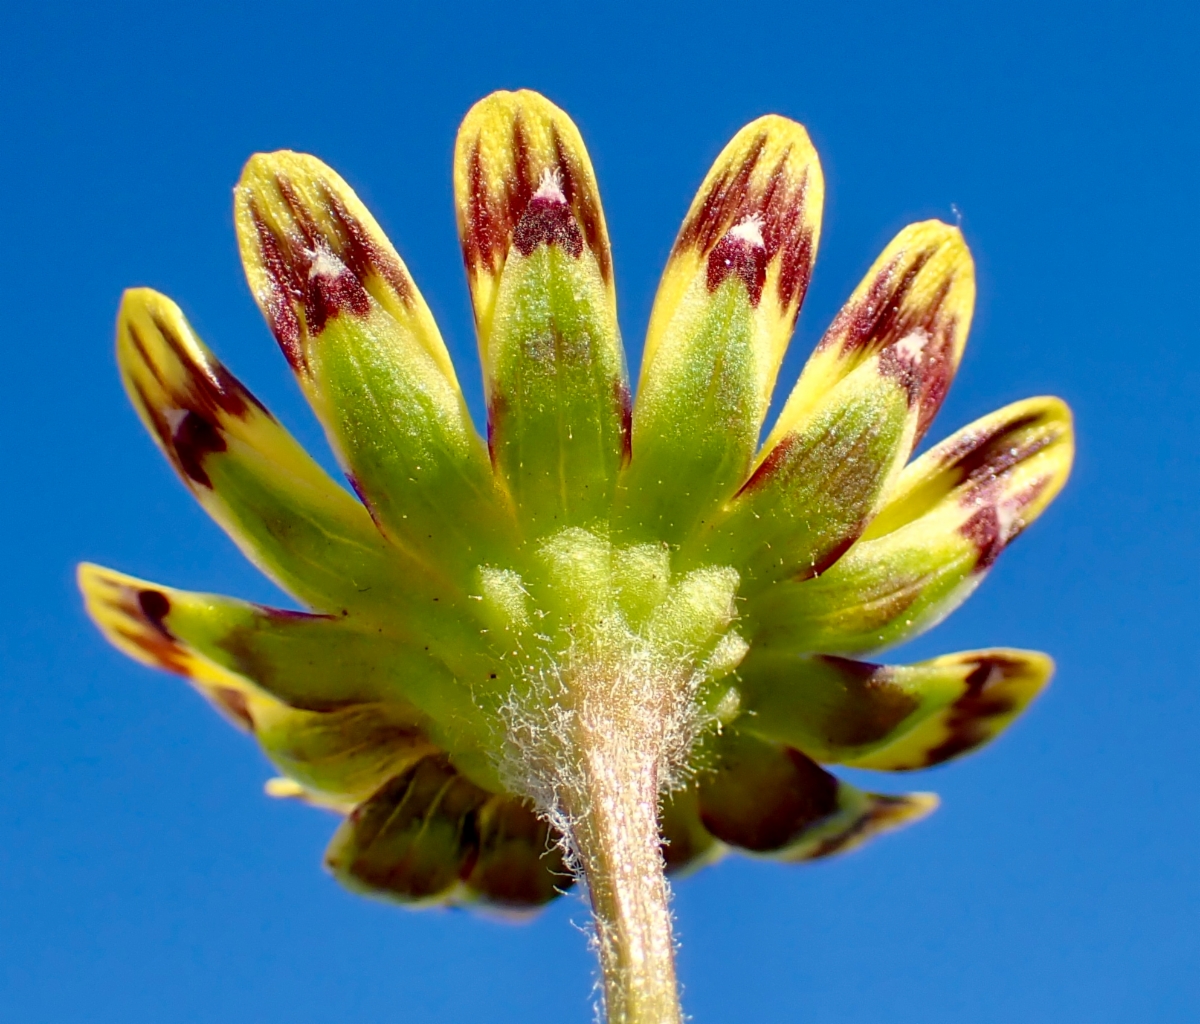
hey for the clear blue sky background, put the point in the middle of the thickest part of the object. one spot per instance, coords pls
(144, 876)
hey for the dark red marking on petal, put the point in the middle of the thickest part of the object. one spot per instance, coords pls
(969, 718)
(155, 606)
(319, 275)
(983, 457)
(292, 615)
(193, 439)
(624, 403)
(778, 206)
(288, 288)
(522, 187)
(484, 235)
(775, 460)
(907, 366)
(209, 388)
(213, 387)
(741, 258)
(723, 205)
(516, 215)
(548, 221)
(763, 798)
(831, 556)
(1023, 499)
(922, 363)
(497, 407)
(795, 271)
(883, 808)
(330, 292)
(360, 252)
(585, 203)
(873, 705)
(938, 373)
(162, 429)
(300, 213)
(781, 210)
(234, 702)
(166, 654)
(796, 245)
(984, 531)
(883, 317)
(143, 612)
(365, 498)
(875, 318)
(206, 395)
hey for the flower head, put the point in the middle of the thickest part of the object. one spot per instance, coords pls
(504, 637)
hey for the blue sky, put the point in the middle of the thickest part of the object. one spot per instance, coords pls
(144, 876)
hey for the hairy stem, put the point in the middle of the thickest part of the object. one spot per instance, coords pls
(616, 838)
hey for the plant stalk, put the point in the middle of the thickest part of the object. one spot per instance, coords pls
(616, 838)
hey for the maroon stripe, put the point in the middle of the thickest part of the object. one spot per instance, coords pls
(164, 653)
(211, 385)
(979, 458)
(775, 460)
(624, 403)
(361, 253)
(155, 607)
(969, 719)
(883, 808)
(193, 439)
(584, 202)
(720, 209)
(484, 234)
(208, 394)
(983, 530)
(741, 258)
(871, 704)
(287, 291)
(514, 215)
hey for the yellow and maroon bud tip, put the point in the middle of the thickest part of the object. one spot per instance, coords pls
(889, 717)
(313, 252)
(523, 179)
(994, 687)
(132, 615)
(913, 311)
(988, 481)
(540, 273)
(865, 397)
(756, 219)
(246, 470)
(189, 402)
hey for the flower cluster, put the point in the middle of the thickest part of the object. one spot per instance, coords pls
(612, 601)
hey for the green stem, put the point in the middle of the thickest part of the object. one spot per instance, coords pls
(616, 838)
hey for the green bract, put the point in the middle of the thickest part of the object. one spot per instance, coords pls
(615, 634)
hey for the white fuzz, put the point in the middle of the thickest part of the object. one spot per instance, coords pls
(550, 187)
(749, 229)
(616, 667)
(912, 346)
(325, 264)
